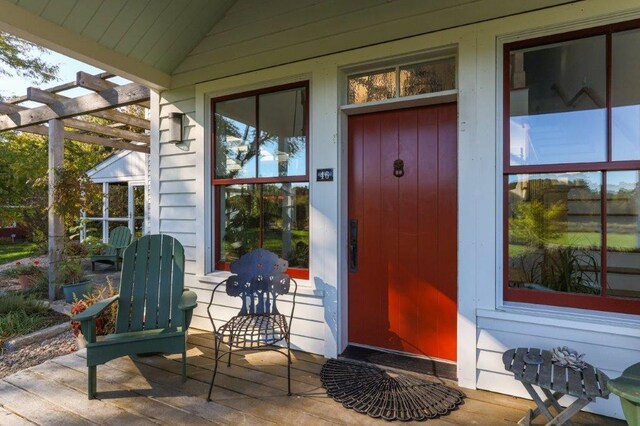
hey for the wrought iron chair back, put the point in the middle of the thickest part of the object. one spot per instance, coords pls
(258, 279)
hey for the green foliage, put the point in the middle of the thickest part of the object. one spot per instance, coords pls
(12, 251)
(94, 245)
(72, 192)
(535, 223)
(24, 178)
(22, 58)
(22, 269)
(69, 271)
(21, 315)
(566, 269)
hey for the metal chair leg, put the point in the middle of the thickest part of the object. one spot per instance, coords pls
(288, 368)
(230, 346)
(216, 351)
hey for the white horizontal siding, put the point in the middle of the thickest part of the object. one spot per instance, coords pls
(177, 177)
(275, 32)
(609, 352)
(308, 319)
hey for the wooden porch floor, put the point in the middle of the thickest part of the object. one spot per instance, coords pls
(251, 391)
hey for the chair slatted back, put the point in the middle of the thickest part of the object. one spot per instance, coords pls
(151, 285)
(259, 279)
(118, 237)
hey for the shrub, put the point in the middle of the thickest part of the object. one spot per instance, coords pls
(21, 315)
(25, 269)
(106, 322)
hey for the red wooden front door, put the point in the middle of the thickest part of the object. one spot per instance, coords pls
(403, 230)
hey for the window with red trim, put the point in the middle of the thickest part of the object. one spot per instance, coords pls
(572, 169)
(260, 175)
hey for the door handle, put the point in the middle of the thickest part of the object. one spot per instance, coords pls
(353, 245)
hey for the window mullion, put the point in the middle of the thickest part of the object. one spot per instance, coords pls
(609, 46)
(603, 248)
(261, 224)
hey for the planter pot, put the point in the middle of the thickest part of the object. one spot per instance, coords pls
(77, 289)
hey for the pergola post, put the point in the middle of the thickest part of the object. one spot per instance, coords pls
(56, 222)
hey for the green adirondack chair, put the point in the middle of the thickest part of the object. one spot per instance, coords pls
(154, 308)
(119, 239)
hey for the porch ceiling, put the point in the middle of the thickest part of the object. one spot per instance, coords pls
(174, 43)
(141, 39)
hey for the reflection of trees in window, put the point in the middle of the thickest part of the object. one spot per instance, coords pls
(372, 87)
(554, 233)
(261, 174)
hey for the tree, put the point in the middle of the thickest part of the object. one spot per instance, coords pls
(23, 180)
(22, 58)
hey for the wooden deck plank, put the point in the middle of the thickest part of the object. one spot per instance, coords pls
(34, 408)
(10, 418)
(253, 391)
(292, 414)
(73, 400)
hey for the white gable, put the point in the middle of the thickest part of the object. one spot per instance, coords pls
(123, 166)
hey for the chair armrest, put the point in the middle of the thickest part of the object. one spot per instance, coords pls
(213, 293)
(188, 300)
(96, 309)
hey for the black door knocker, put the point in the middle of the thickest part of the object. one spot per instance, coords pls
(398, 168)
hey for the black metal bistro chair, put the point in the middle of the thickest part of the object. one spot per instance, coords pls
(259, 278)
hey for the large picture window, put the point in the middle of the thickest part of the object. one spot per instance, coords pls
(260, 175)
(572, 170)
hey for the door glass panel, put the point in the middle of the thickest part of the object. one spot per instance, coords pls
(235, 134)
(283, 144)
(557, 103)
(428, 77)
(623, 234)
(239, 221)
(118, 200)
(555, 232)
(625, 96)
(371, 87)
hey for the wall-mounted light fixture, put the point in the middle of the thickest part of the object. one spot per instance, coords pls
(175, 127)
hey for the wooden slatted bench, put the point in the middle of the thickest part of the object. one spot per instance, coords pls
(555, 382)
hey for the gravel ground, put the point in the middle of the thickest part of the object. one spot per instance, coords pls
(37, 353)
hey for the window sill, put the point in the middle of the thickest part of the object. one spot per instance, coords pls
(578, 319)
(305, 288)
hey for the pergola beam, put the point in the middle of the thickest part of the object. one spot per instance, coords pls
(97, 83)
(88, 104)
(77, 124)
(44, 97)
(41, 129)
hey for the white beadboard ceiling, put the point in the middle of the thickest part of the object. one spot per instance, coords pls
(173, 43)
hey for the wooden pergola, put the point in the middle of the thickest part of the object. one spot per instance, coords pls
(60, 117)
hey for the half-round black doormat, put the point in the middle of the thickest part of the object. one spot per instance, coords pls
(370, 390)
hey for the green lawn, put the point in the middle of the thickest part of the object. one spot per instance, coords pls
(14, 251)
(615, 241)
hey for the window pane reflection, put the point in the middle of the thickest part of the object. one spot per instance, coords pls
(239, 221)
(557, 103)
(235, 134)
(283, 145)
(623, 234)
(555, 232)
(625, 96)
(428, 77)
(372, 87)
(286, 222)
